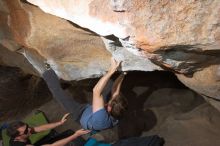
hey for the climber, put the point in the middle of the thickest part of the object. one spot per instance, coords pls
(103, 113)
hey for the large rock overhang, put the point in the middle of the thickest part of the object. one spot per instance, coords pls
(179, 36)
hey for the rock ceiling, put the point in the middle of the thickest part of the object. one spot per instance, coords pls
(78, 37)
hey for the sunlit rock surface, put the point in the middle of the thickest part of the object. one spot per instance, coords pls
(72, 52)
(179, 36)
(182, 27)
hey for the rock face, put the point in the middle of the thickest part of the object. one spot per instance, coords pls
(73, 52)
(205, 82)
(20, 93)
(179, 36)
(183, 111)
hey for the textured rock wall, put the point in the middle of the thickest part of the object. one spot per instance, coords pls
(20, 93)
(179, 36)
(56, 40)
(180, 33)
(73, 52)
